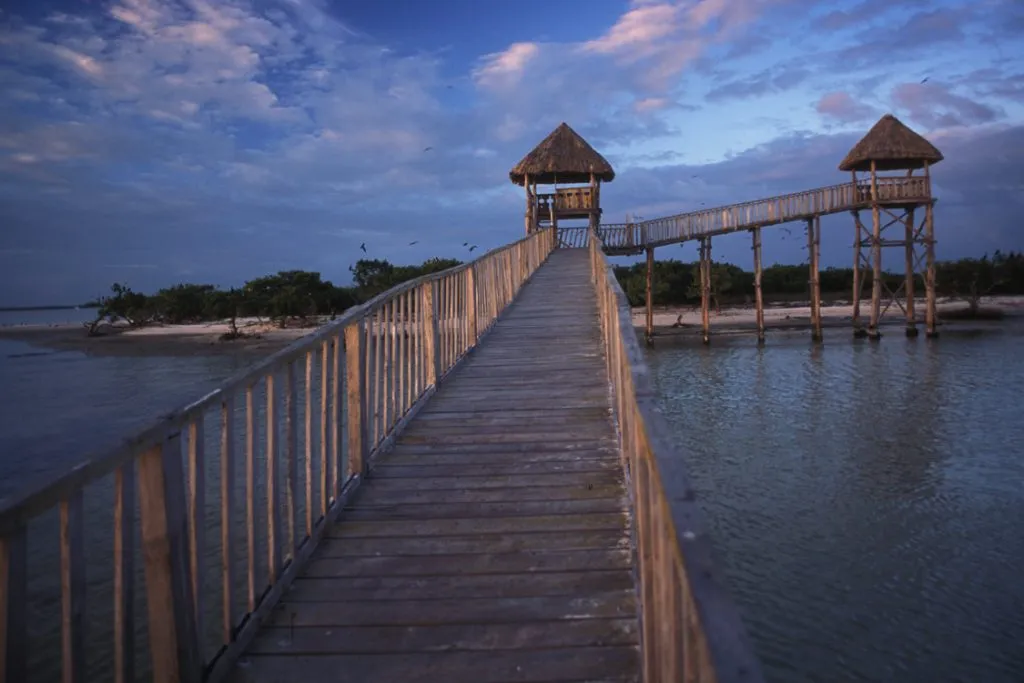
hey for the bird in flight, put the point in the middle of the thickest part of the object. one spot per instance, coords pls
(472, 247)
(413, 242)
(465, 244)
(363, 247)
(925, 79)
(427, 149)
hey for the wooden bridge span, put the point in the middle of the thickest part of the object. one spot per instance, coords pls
(465, 479)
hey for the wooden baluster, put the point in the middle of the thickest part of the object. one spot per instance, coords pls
(325, 456)
(14, 607)
(354, 392)
(430, 338)
(124, 573)
(336, 449)
(273, 497)
(227, 497)
(72, 584)
(250, 495)
(385, 333)
(291, 445)
(197, 516)
(173, 641)
(309, 443)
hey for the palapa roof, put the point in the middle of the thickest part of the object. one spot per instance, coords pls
(891, 145)
(563, 157)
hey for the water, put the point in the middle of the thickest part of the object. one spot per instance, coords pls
(866, 499)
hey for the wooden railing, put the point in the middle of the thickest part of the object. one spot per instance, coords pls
(566, 199)
(690, 628)
(770, 211)
(573, 237)
(210, 513)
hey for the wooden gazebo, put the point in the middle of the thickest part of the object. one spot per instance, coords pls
(889, 155)
(566, 161)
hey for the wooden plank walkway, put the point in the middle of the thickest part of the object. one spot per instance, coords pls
(494, 543)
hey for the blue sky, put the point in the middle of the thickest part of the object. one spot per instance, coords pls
(160, 141)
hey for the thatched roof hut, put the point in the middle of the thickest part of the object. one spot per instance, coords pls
(562, 157)
(892, 146)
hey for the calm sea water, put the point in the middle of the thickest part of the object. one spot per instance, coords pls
(866, 499)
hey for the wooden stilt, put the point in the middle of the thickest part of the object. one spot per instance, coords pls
(705, 288)
(529, 205)
(813, 236)
(876, 258)
(908, 286)
(649, 323)
(858, 331)
(930, 317)
(758, 298)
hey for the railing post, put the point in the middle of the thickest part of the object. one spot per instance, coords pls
(354, 392)
(431, 346)
(474, 333)
(173, 641)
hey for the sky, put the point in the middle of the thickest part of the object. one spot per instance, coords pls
(153, 142)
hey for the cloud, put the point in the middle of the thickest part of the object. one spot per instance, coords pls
(936, 106)
(843, 108)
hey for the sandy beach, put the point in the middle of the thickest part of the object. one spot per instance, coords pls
(685, 320)
(261, 338)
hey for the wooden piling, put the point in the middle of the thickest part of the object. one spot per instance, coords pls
(876, 257)
(649, 321)
(814, 282)
(908, 286)
(758, 297)
(705, 288)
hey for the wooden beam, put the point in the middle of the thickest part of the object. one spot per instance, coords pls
(758, 296)
(649, 320)
(705, 288)
(876, 257)
(813, 248)
(908, 287)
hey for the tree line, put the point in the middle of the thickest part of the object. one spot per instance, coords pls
(287, 297)
(677, 283)
(299, 296)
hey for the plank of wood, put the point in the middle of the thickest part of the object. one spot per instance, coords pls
(463, 564)
(412, 455)
(510, 467)
(490, 525)
(506, 406)
(618, 663)
(593, 539)
(561, 479)
(446, 637)
(481, 586)
(606, 605)
(380, 493)
(505, 437)
(587, 412)
(371, 511)
(607, 445)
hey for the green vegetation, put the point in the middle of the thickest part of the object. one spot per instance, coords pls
(677, 283)
(296, 297)
(288, 297)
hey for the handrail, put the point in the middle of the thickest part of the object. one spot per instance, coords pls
(299, 428)
(689, 622)
(768, 211)
(573, 237)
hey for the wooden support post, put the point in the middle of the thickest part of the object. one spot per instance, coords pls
(858, 331)
(758, 297)
(431, 342)
(649, 320)
(471, 325)
(705, 288)
(530, 202)
(173, 641)
(876, 258)
(908, 287)
(813, 237)
(355, 390)
(930, 316)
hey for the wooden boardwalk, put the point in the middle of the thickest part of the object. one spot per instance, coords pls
(494, 542)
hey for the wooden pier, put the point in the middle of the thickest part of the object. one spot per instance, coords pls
(461, 480)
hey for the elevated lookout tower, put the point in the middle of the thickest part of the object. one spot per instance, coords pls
(887, 158)
(566, 161)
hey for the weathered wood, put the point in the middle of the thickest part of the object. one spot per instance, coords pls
(471, 564)
(291, 463)
(931, 318)
(876, 257)
(758, 296)
(227, 507)
(14, 606)
(72, 571)
(446, 637)
(124, 574)
(592, 664)
(649, 298)
(354, 403)
(250, 496)
(197, 515)
(378, 493)
(595, 539)
(909, 266)
(273, 509)
(174, 643)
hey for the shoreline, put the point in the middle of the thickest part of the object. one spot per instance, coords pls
(200, 339)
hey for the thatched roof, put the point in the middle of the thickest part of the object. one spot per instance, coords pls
(562, 157)
(891, 145)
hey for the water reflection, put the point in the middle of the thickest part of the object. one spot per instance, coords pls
(865, 498)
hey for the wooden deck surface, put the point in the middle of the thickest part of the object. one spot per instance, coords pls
(493, 544)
